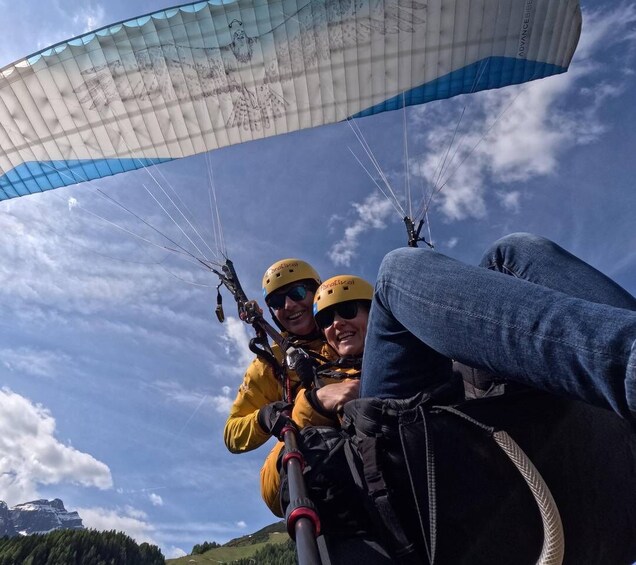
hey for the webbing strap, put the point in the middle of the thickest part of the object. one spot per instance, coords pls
(368, 448)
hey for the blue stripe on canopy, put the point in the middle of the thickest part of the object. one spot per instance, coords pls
(493, 72)
(32, 177)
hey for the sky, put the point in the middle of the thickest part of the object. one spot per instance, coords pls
(116, 377)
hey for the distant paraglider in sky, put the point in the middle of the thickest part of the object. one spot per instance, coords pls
(193, 78)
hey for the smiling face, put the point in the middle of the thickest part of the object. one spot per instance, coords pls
(296, 316)
(346, 337)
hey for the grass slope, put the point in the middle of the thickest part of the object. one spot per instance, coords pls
(237, 548)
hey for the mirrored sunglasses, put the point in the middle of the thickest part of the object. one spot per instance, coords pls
(346, 310)
(296, 293)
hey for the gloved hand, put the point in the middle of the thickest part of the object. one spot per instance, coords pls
(272, 419)
(250, 310)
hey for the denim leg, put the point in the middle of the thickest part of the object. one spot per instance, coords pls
(541, 261)
(428, 307)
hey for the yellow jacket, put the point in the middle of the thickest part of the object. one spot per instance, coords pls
(260, 387)
(303, 414)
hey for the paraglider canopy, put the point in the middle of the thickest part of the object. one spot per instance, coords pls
(201, 76)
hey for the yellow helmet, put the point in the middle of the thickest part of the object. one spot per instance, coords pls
(341, 288)
(287, 271)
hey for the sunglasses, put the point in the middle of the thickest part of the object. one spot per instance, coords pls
(346, 310)
(296, 293)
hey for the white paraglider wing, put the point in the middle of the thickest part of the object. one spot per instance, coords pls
(201, 76)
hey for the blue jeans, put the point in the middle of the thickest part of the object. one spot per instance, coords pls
(556, 324)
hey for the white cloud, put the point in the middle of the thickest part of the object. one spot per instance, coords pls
(89, 17)
(30, 455)
(155, 499)
(452, 242)
(222, 404)
(35, 362)
(237, 339)
(372, 213)
(601, 27)
(126, 520)
(511, 201)
(133, 512)
(526, 140)
(173, 552)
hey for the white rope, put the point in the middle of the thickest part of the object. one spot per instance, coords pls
(553, 538)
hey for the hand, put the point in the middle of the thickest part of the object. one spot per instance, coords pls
(250, 310)
(273, 417)
(334, 396)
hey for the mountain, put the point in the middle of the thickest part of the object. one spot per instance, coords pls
(37, 517)
(6, 524)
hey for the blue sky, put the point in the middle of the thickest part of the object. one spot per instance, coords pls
(116, 377)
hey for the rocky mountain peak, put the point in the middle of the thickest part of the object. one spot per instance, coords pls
(37, 517)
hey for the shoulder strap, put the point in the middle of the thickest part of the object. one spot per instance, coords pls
(372, 480)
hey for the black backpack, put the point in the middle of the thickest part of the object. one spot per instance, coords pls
(432, 484)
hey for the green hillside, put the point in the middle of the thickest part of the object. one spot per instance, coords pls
(244, 547)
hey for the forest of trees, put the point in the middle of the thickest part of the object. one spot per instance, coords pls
(200, 548)
(78, 547)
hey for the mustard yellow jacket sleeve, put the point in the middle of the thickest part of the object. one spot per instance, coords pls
(259, 387)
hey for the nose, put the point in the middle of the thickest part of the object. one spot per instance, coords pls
(288, 303)
(337, 320)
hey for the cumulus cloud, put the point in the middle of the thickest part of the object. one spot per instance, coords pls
(31, 455)
(370, 214)
(128, 520)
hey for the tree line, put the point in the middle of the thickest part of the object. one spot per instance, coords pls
(78, 547)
